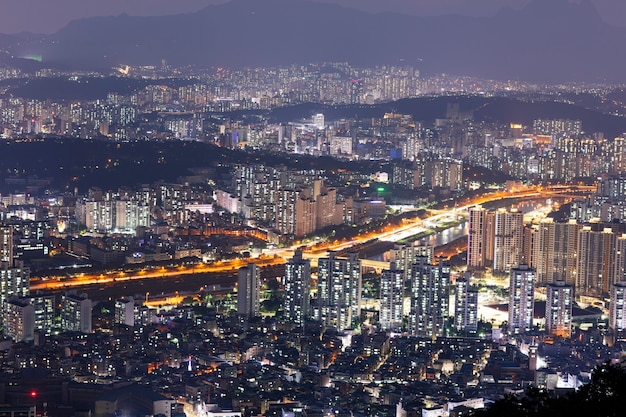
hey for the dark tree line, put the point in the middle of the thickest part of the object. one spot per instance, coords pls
(603, 396)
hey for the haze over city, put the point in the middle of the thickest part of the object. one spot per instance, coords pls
(312, 208)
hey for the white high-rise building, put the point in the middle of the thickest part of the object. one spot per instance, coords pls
(391, 298)
(404, 256)
(475, 237)
(297, 288)
(318, 121)
(19, 320)
(465, 306)
(521, 299)
(430, 289)
(338, 291)
(14, 281)
(559, 309)
(617, 314)
(248, 291)
(508, 240)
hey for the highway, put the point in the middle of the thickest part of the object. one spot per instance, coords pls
(279, 256)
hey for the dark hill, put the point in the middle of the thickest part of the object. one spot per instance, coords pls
(549, 40)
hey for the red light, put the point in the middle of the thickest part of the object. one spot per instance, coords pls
(33, 394)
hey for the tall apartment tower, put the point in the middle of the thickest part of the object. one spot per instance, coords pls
(508, 240)
(338, 291)
(521, 299)
(19, 320)
(465, 306)
(430, 289)
(14, 281)
(559, 309)
(404, 256)
(297, 288)
(44, 306)
(617, 313)
(391, 298)
(476, 237)
(601, 259)
(76, 313)
(248, 291)
(555, 252)
(125, 311)
(6, 244)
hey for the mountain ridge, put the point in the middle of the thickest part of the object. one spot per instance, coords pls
(546, 41)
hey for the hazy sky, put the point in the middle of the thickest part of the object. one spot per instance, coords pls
(47, 16)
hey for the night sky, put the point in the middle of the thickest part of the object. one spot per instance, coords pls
(48, 16)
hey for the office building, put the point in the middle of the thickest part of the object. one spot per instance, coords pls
(391, 298)
(297, 302)
(430, 289)
(559, 309)
(338, 291)
(521, 299)
(248, 291)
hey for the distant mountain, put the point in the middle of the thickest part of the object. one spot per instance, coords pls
(548, 40)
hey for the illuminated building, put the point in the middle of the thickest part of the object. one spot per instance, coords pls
(248, 291)
(601, 259)
(19, 320)
(297, 288)
(521, 299)
(76, 313)
(404, 256)
(125, 311)
(338, 291)
(44, 309)
(617, 312)
(554, 253)
(465, 305)
(508, 240)
(391, 298)
(559, 309)
(430, 288)
(476, 238)
(14, 281)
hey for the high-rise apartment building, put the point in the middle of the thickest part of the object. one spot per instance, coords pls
(248, 291)
(297, 302)
(391, 298)
(554, 253)
(430, 289)
(404, 256)
(476, 237)
(76, 313)
(19, 320)
(14, 281)
(559, 309)
(617, 312)
(338, 291)
(508, 240)
(465, 305)
(521, 299)
(44, 306)
(601, 259)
